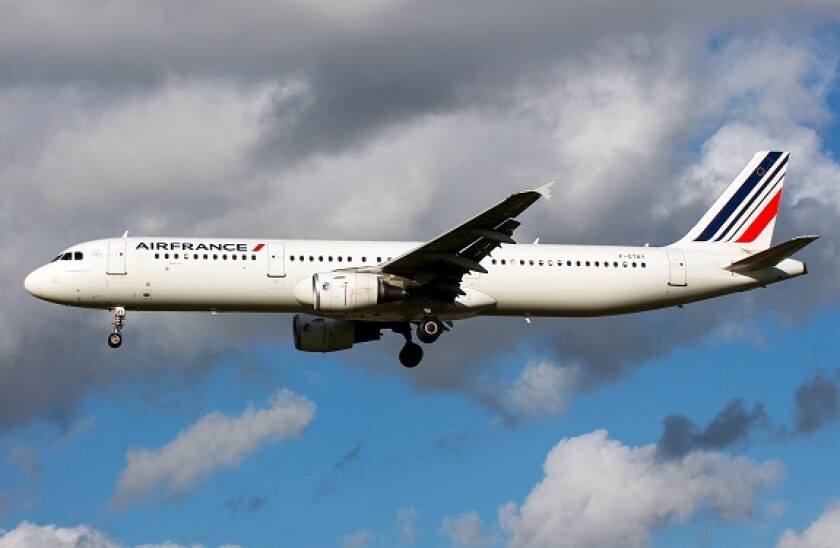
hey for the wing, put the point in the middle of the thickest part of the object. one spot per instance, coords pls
(438, 266)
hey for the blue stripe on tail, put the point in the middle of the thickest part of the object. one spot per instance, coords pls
(746, 212)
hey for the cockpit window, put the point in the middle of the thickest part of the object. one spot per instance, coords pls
(69, 256)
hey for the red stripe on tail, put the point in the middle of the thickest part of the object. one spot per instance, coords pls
(762, 220)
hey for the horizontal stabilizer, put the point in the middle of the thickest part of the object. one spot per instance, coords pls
(771, 257)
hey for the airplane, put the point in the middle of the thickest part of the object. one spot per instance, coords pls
(348, 292)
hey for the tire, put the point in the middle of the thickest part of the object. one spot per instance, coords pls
(114, 340)
(411, 355)
(429, 330)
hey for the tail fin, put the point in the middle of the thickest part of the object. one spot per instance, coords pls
(745, 214)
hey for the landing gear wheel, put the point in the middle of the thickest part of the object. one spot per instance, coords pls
(114, 340)
(411, 354)
(429, 330)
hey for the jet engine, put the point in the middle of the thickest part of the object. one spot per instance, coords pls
(316, 334)
(341, 291)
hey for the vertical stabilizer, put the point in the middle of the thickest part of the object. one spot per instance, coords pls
(745, 214)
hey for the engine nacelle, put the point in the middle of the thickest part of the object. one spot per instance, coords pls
(316, 334)
(341, 291)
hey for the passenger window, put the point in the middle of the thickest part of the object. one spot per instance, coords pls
(233, 258)
(157, 255)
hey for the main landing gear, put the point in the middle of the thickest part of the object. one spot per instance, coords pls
(428, 331)
(115, 338)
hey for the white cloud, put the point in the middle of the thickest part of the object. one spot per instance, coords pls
(467, 530)
(823, 533)
(599, 492)
(542, 388)
(406, 531)
(359, 539)
(27, 535)
(216, 441)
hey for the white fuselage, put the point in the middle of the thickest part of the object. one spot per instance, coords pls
(245, 275)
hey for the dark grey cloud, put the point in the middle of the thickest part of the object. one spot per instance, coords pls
(816, 406)
(239, 120)
(817, 402)
(732, 425)
(249, 505)
(344, 470)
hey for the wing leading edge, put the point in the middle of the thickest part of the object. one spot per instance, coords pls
(438, 266)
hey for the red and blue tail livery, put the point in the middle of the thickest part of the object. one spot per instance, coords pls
(745, 214)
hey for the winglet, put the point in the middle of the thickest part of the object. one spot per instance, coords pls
(545, 190)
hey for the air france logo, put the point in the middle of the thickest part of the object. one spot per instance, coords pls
(199, 246)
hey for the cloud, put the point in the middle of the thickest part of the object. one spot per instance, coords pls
(359, 539)
(822, 533)
(542, 389)
(599, 492)
(816, 406)
(29, 534)
(733, 424)
(26, 458)
(215, 442)
(817, 403)
(404, 524)
(348, 466)
(173, 124)
(468, 531)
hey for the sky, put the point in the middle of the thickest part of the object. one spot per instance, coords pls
(712, 425)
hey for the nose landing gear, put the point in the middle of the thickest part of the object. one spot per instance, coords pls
(115, 338)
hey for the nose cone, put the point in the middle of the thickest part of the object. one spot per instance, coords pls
(34, 283)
